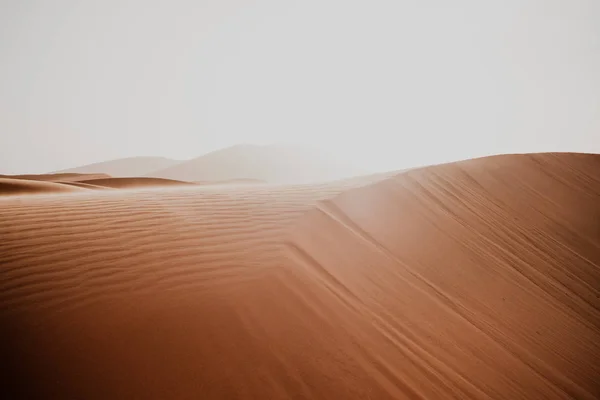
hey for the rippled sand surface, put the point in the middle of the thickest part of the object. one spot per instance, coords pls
(478, 279)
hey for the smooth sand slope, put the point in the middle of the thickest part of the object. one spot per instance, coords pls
(58, 177)
(12, 187)
(125, 167)
(121, 183)
(69, 182)
(478, 279)
(271, 164)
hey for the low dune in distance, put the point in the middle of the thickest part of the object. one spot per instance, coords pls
(125, 167)
(83, 185)
(58, 177)
(9, 186)
(271, 164)
(122, 183)
(471, 280)
(68, 182)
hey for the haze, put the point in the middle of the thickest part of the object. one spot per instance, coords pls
(385, 84)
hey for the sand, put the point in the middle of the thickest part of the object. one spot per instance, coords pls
(58, 177)
(120, 183)
(9, 186)
(74, 182)
(478, 279)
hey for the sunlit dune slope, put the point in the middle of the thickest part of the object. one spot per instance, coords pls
(477, 279)
(10, 186)
(120, 183)
(481, 279)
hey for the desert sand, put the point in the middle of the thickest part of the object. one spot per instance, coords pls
(58, 177)
(75, 182)
(11, 186)
(472, 280)
(119, 183)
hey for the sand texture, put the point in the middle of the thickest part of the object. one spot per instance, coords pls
(58, 177)
(126, 183)
(10, 186)
(75, 182)
(472, 280)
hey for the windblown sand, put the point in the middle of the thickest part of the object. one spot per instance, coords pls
(478, 279)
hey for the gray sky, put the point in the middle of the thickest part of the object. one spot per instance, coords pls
(390, 84)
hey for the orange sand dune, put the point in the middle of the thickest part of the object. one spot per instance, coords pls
(478, 279)
(120, 183)
(23, 186)
(84, 185)
(61, 177)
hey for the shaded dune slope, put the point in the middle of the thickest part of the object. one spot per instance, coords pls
(23, 186)
(476, 279)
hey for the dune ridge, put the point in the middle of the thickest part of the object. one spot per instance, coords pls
(478, 279)
(57, 177)
(140, 182)
(9, 186)
(513, 281)
(63, 182)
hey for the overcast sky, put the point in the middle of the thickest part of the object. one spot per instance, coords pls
(390, 84)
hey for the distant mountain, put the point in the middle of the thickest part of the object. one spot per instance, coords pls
(272, 164)
(125, 167)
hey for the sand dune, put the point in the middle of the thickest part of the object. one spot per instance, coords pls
(52, 183)
(24, 186)
(478, 279)
(18, 184)
(59, 177)
(272, 164)
(120, 183)
(125, 167)
(84, 185)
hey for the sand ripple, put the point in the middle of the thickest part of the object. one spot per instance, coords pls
(478, 279)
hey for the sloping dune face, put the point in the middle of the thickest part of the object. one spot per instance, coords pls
(60, 177)
(470, 280)
(481, 279)
(21, 186)
(126, 183)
